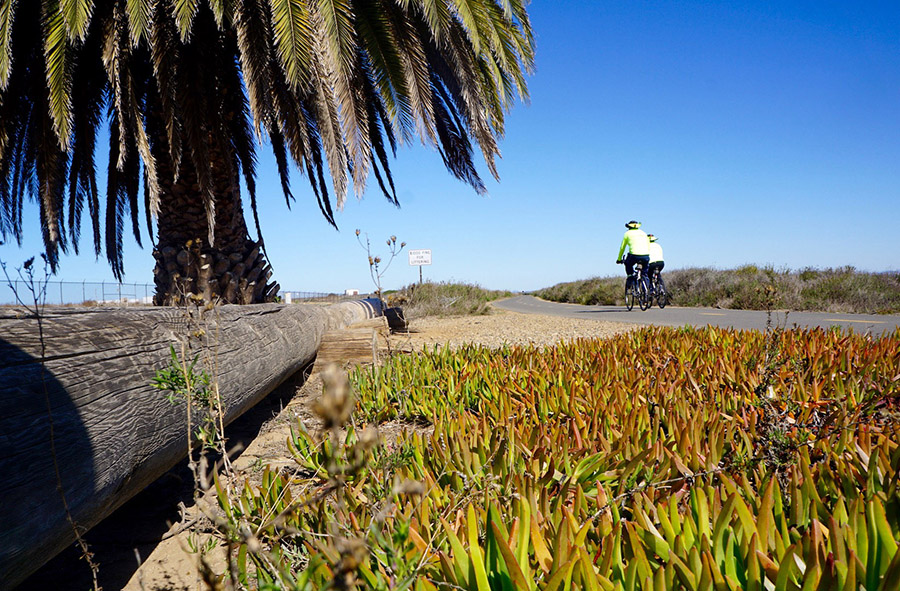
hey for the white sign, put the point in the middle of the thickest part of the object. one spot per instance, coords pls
(420, 257)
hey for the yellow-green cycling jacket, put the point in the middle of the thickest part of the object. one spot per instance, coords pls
(637, 243)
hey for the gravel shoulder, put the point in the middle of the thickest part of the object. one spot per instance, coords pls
(504, 327)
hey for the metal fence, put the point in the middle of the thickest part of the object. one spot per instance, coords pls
(85, 293)
(289, 297)
(92, 293)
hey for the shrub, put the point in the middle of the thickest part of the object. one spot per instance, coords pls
(446, 299)
(750, 287)
(602, 291)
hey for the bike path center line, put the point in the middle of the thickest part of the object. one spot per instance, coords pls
(711, 314)
(858, 321)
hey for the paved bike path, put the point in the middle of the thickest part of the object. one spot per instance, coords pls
(699, 317)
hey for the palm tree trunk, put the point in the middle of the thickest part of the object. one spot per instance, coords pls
(231, 270)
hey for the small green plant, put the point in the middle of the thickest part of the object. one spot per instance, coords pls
(199, 544)
(184, 383)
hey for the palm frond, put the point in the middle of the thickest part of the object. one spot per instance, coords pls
(143, 146)
(7, 16)
(437, 15)
(335, 23)
(293, 34)
(329, 131)
(115, 56)
(89, 101)
(379, 124)
(504, 49)
(219, 9)
(315, 166)
(468, 13)
(184, 12)
(385, 64)
(48, 182)
(415, 65)
(140, 18)
(130, 185)
(235, 108)
(455, 147)
(337, 18)
(284, 174)
(57, 68)
(290, 123)
(255, 54)
(114, 202)
(77, 17)
(165, 52)
(520, 26)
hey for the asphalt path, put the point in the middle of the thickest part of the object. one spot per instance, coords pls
(700, 317)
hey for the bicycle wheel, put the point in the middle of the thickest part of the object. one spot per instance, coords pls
(662, 296)
(644, 300)
(629, 294)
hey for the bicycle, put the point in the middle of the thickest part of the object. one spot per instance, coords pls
(658, 289)
(636, 287)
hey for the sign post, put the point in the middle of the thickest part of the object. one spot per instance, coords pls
(420, 257)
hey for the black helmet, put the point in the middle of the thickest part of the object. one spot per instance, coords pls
(633, 225)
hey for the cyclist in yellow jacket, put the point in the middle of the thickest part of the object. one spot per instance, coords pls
(638, 248)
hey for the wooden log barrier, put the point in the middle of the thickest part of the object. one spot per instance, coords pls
(85, 427)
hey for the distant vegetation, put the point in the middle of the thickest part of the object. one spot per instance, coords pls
(444, 299)
(843, 289)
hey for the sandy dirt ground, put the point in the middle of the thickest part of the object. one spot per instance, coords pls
(152, 542)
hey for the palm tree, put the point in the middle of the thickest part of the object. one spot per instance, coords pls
(189, 88)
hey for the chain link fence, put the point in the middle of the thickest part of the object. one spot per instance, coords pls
(84, 293)
(93, 293)
(292, 297)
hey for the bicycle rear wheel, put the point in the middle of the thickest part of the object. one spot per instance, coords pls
(662, 296)
(644, 300)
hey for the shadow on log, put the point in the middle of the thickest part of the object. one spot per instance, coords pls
(113, 433)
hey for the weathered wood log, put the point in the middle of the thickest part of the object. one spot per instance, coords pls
(86, 424)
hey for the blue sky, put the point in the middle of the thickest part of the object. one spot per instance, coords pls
(738, 132)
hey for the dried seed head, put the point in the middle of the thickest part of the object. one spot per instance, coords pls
(353, 553)
(336, 402)
(409, 487)
(368, 438)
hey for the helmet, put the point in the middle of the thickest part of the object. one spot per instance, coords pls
(633, 225)
(651, 237)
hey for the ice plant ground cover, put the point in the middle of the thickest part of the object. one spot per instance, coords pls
(659, 459)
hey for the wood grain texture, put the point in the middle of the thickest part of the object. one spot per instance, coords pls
(113, 433)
